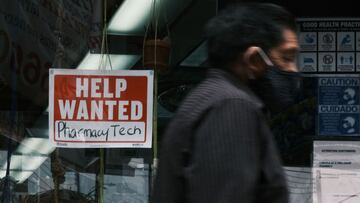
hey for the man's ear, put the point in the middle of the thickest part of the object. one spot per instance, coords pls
(253, 62)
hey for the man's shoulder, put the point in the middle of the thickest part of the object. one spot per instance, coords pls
(214, 91)
(220, 89)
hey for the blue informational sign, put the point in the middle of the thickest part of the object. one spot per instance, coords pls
(339, 106)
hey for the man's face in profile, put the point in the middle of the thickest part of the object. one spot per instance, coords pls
(284, 56)
(348, 124)
(349, 94)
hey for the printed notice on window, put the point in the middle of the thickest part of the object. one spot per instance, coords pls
(336, 172)
(99, 109)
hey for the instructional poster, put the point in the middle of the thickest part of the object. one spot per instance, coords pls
(338, 106)
(330, 45)
(336, 172)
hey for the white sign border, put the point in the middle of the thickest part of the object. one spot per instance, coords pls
(150, 88)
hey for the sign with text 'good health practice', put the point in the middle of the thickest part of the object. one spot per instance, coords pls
(329, 45)
(95, 109)
(339, 106)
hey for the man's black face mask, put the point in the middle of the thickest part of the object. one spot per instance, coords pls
(278, 89)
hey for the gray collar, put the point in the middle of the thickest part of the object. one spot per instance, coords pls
(228, 76)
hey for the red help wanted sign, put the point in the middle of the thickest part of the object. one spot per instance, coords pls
(100, 108)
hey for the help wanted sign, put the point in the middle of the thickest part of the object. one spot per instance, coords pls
(91, 109)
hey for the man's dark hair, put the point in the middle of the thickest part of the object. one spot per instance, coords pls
(240, 26)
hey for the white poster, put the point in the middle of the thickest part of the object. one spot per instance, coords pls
(336, 172)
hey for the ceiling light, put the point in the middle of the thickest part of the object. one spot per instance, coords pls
(118, 62)
(24, 162)
(33, 146)
(197, 57)
(131, 17)
(18, 176)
